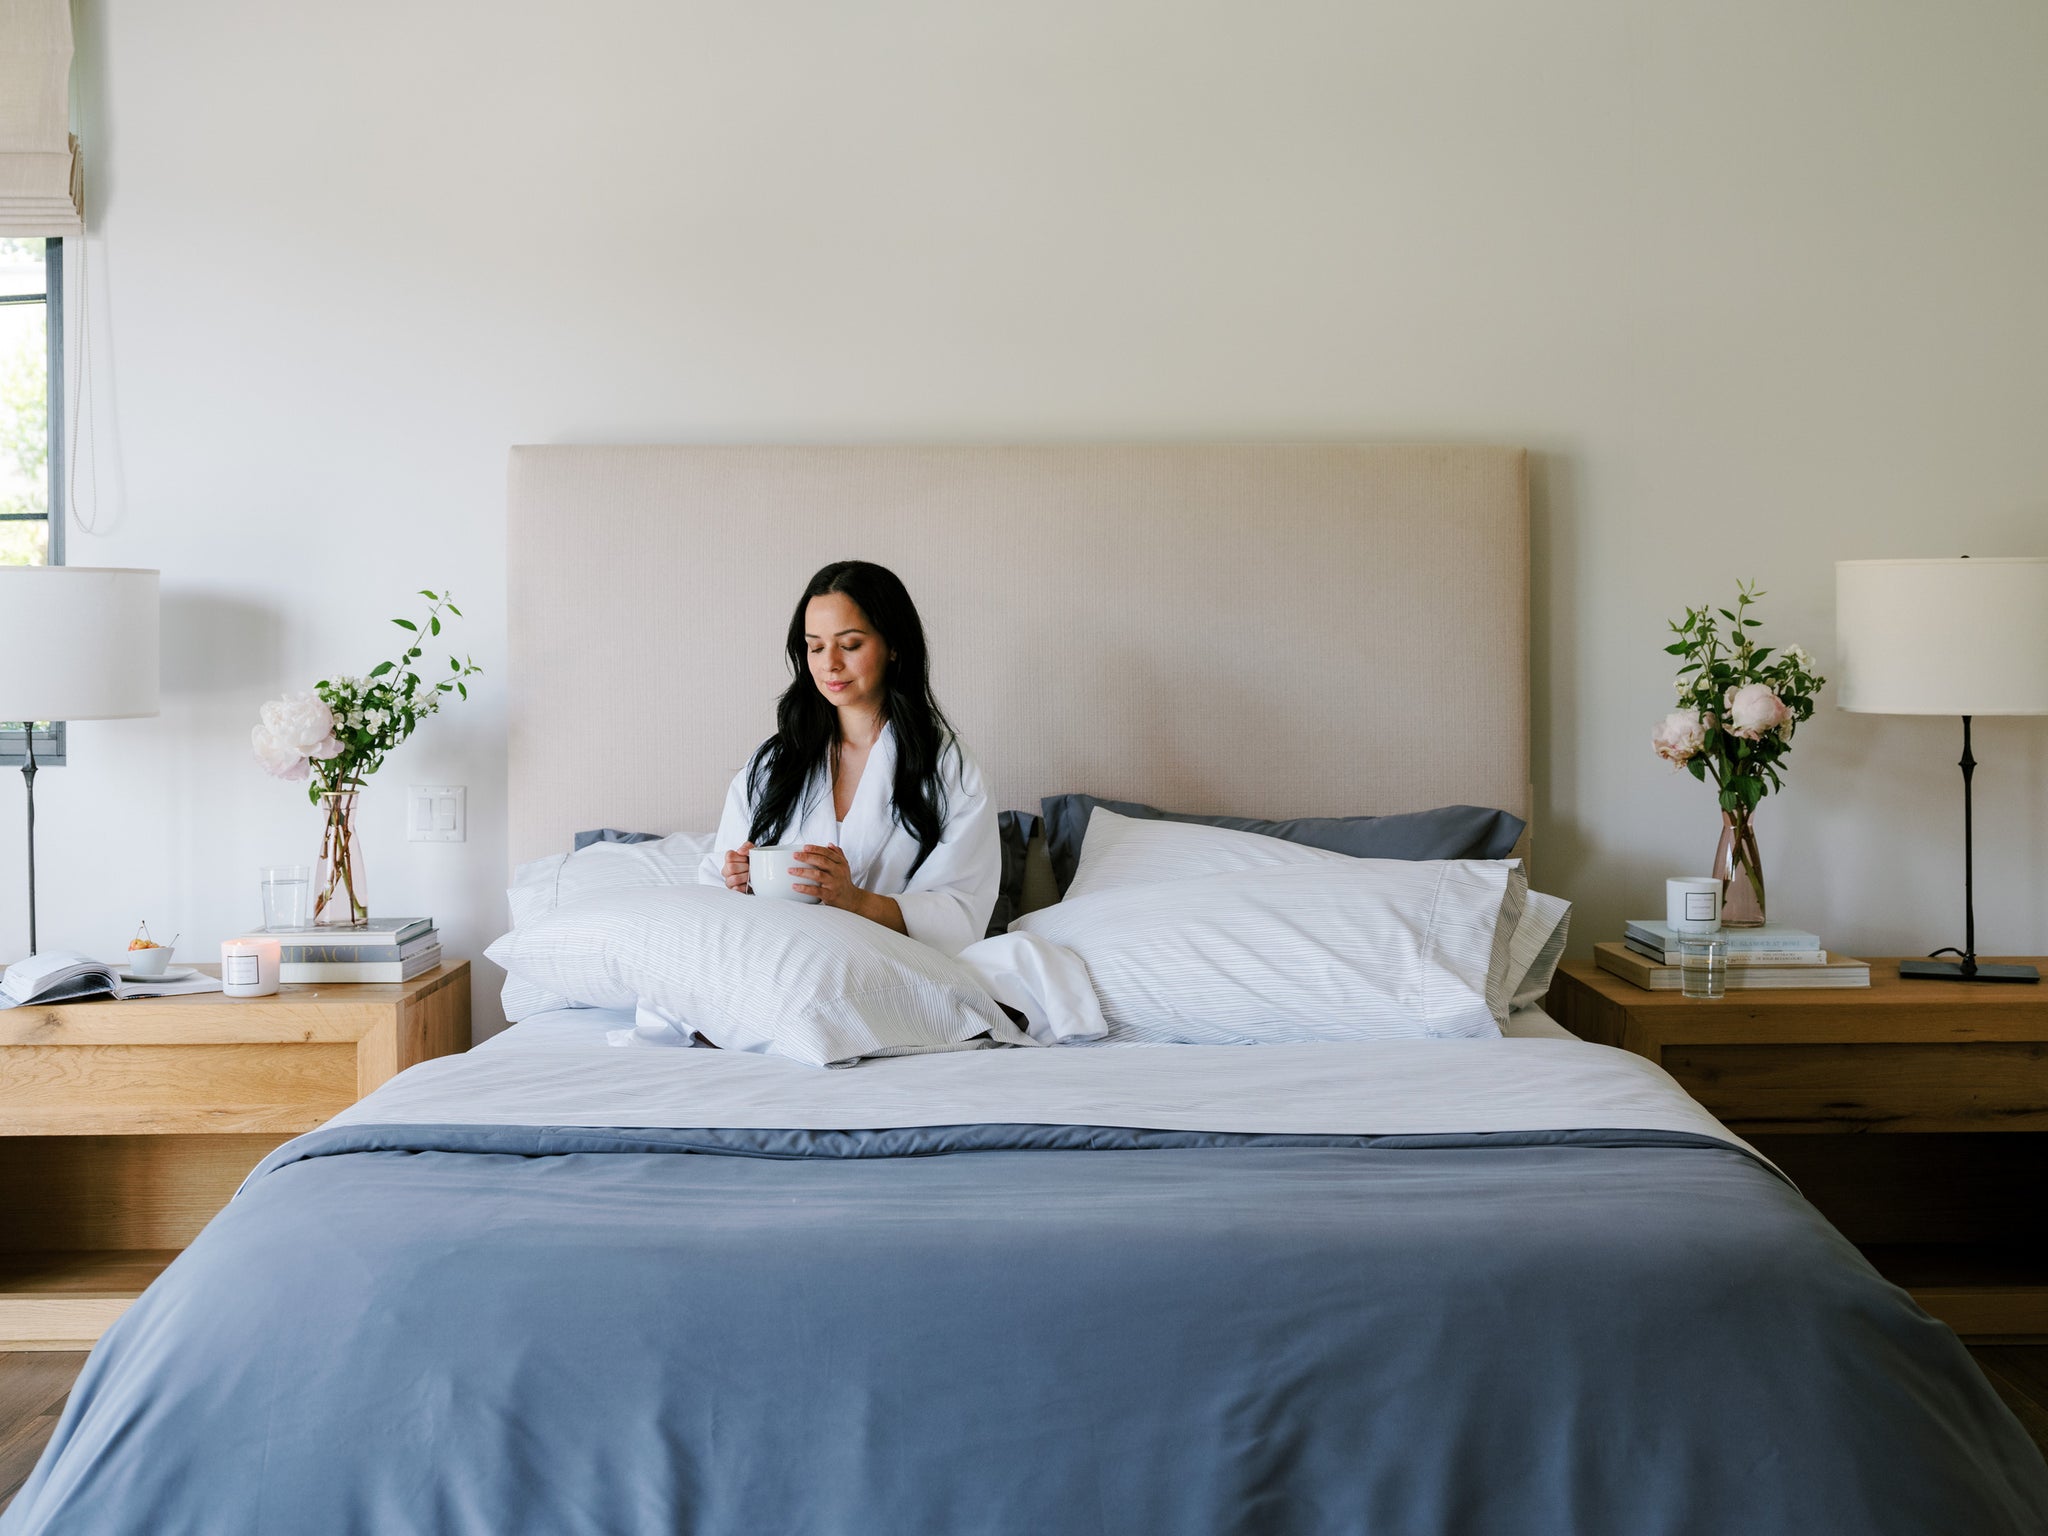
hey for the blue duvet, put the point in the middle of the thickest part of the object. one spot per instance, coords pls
(1048, 1331)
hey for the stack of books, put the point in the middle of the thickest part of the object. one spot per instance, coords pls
(384, 949)
(1771, 956)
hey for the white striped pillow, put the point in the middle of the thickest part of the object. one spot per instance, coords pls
(1346, 949)
(812, 983)
(1118, 851)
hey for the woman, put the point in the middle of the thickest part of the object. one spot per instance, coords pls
(864, 772)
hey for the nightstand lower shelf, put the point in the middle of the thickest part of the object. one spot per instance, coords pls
(1984, 1291)
(1912, 1114)
(65, 1300)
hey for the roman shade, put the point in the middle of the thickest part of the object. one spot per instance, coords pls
(42, 184)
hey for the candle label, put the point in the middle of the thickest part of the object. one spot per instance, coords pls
(1702, 906)
(241, 971)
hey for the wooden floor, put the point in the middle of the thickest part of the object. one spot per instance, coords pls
(33, 1387)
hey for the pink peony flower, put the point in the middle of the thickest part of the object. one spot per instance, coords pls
(301, 721)
(1681, 734)
(1754, 711)
(278, 758)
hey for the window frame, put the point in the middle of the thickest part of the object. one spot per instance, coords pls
(50, 744)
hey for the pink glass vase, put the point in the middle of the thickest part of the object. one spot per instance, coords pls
(340, 899)
(1740, 870)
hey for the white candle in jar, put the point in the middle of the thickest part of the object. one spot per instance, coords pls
(248, 967)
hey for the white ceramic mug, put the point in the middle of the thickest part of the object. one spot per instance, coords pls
(1692, 904)
(768, 873)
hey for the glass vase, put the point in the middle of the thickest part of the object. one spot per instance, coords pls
(340, 898)
(1741, 871)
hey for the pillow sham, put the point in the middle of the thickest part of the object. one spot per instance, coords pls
(814, 984)
(1537, 948)
(1351, 949)
(1120, 850)
(621, 861)
(1448, 832)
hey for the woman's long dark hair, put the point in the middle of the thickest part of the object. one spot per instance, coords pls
(807, 723)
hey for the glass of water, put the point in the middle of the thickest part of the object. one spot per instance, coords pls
(1703, 965)
(287, 896)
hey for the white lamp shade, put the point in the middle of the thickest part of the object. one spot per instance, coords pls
(77, 643)
(1942, 637)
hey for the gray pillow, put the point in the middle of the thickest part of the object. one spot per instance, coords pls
(614, 835)
(1015, 829)
(1448, 832)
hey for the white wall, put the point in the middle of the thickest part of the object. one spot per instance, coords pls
(1762, 284)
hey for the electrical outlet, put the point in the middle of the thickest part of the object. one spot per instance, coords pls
(436, 813)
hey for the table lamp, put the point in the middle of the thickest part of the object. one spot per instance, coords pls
(76, 643)
(1946, 637)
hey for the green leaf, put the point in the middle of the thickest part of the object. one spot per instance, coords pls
(406, 624)
(381, 668)
(433, 624)
(428, 595)
(455, 610)
(464, 691)
(1698, 769)
(454, 665)
(1676, 650)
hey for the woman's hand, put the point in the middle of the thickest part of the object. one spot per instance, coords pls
(737, 877)
(831, 878)
(831, 881)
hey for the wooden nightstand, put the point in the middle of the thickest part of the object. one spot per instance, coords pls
(1909, 1113)
(125, 1126)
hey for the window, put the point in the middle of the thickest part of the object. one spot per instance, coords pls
(31, 430)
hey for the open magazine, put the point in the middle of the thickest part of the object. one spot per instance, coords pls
(66, 976)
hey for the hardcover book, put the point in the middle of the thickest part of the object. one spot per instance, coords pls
(387, 971)
(357, 954)
(378, 930)
(1835, 971)
(1672, 955)
(1655, 933)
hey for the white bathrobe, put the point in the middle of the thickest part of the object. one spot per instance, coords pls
(947, 903)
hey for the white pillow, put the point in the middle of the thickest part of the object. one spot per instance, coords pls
(1123, 852)
(1536, 949)
(1120, 851)
(541, 885)
(1347, 949)
(812, 983)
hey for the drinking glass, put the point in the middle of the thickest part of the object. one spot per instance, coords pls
(1703, 965)
(287, 888)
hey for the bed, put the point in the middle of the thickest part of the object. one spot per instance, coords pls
(1515, 1285)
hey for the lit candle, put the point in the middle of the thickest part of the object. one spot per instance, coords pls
(248, 967)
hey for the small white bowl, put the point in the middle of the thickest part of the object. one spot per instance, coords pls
(768, 873)
(150, 963)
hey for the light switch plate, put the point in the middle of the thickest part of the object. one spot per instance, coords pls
(436, 813)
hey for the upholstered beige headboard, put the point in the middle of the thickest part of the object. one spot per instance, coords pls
(1259, 630)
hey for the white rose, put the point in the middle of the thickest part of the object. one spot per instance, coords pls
(298, 720)
(1754, 711)
(1679, 736)
(279, 758)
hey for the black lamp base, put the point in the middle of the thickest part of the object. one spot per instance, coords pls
(1952, 970)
